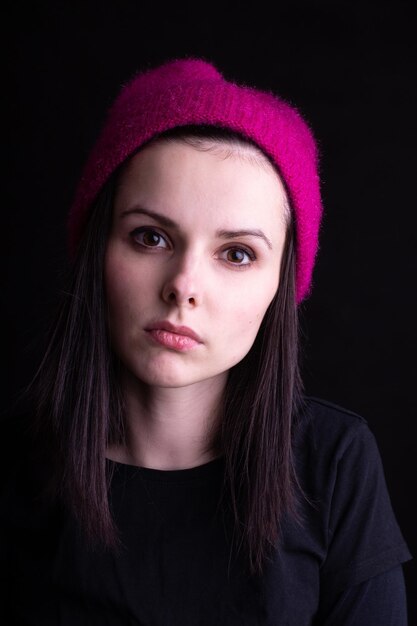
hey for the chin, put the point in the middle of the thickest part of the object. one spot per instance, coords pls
(172, 376)
(156, 375)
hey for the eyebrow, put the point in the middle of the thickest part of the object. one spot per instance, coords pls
(234, 234)
(162, 219)
(223, 234)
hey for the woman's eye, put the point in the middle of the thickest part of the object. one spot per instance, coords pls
(238, 256)
(149, 238)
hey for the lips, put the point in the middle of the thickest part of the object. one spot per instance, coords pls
(179, 338)
(178, 330)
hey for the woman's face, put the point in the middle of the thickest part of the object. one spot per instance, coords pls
(192, 261)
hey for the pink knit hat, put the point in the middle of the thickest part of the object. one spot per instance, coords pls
(192, 91)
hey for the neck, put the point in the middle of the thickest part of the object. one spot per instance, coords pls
(169, 428)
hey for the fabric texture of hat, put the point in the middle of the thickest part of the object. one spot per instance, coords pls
(193, 92)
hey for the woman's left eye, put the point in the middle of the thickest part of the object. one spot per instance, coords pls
(149, 238)
(238, 256)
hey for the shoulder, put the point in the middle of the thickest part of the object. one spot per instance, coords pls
(338, 460)
(317, 412)
(341, 474)
(327, 428)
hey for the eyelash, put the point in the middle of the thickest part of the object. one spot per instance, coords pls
(145, 229)
(249, 253)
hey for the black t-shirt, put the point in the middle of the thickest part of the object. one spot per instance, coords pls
(175, 566)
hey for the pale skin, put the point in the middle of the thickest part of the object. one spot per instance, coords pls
(196, 242)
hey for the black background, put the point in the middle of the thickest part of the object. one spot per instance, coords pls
(349, 67)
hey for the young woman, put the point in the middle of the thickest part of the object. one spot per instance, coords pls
(171, 470)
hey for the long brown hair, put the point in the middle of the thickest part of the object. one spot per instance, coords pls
(79, 408)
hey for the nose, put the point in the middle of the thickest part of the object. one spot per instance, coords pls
(182, 287)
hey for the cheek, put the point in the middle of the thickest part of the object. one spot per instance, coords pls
(253, 320)
(245, 323)
(257, 300)
(117, 292)
(122, 292)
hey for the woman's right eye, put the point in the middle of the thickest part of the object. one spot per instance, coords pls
(149, 238)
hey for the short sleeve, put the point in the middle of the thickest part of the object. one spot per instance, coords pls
(363, 537)
(379, 601)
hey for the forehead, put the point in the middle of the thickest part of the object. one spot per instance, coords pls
(218, 177)
(222, 142)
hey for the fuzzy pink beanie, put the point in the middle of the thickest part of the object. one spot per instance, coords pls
(192, 91)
